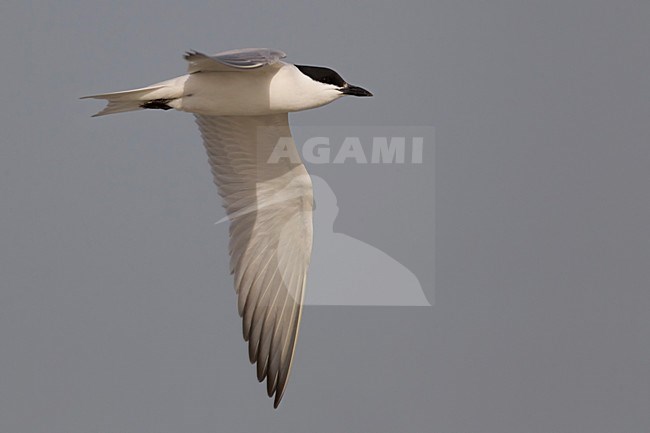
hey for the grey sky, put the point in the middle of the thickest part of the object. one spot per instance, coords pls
(116, 310)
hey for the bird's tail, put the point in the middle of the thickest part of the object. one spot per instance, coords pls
(157, 96)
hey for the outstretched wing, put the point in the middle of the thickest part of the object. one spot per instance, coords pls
(235, 60)
(269, 202)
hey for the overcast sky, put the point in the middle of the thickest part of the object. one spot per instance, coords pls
(117, 313)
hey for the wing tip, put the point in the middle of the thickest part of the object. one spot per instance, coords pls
(279, 393)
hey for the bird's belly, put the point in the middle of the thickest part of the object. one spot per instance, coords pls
(226, 94)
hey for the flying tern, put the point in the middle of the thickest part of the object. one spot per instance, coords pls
(241, 100)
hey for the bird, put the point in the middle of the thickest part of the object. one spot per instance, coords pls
(240, 100)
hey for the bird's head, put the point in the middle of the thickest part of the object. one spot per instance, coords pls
(330, 81)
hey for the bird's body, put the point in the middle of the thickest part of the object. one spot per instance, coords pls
(267, 91)
(214, 88)
(241, 100)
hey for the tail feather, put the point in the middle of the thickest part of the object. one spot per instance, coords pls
(126, 95)
(119, 107)
(120, 102)
(154, 96)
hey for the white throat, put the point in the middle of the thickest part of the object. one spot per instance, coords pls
(291, 90)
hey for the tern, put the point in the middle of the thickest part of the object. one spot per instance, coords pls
(241, 100)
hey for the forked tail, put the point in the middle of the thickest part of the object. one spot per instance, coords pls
(157, 96)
